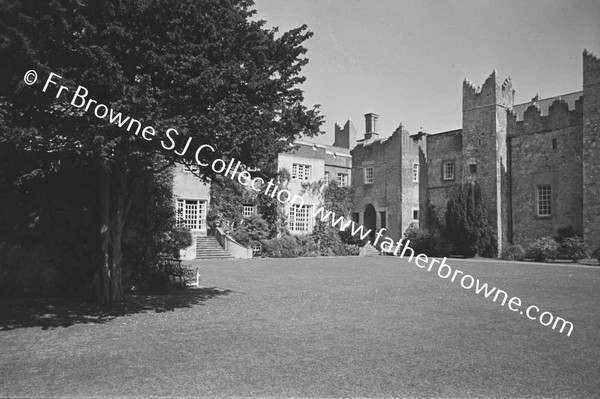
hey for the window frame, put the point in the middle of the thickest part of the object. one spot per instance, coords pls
(416, 168)
(366, 171)
(199, 223)
(306, 171)
(448, 162)
(247, 215)
(413, 214)
(307, 222)
(547, 201)
(338, 180)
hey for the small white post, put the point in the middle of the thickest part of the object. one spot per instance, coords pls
(197, 278)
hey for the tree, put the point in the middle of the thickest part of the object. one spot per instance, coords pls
(204, 68)
(467, 222)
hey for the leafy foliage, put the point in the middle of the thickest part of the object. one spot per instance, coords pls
(422, 241)
(573, 248)
(251, 231)
(467, 222)
(566, 232)
(596, 254)
(151, 234)
(542, 249)
(285, 246)
(513, 252)
(207, 69)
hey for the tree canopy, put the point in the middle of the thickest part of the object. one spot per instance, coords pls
(207, 68)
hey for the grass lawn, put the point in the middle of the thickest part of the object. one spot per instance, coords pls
(315, 327)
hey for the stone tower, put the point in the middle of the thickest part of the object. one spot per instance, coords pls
(484, 151)
(345, 137)
(591, 150)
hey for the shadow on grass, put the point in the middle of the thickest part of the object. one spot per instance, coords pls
(55, 312)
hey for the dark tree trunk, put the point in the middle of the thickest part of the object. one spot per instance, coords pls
(117, 225)
(108, 278)
(102, 274)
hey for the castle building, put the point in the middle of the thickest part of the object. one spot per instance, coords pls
(538, 163)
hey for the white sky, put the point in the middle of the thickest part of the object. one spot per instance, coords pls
(406, 60)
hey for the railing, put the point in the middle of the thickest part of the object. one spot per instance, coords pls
(221, 237)
(232, 246)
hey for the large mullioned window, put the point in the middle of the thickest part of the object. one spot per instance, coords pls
(300, 220)
(191, 214)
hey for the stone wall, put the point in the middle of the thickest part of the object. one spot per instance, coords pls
(546, 150)
(442, 147)
(385, 193)
(591, 149)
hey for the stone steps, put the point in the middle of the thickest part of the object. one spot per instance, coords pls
(209, 248)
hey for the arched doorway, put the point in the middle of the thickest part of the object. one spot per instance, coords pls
(370, 220)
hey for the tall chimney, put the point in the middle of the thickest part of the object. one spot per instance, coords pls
(370, 125)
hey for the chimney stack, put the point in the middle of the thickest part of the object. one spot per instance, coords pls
(370, 125)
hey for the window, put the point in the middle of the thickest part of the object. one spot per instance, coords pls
(415, 172)
(554, 144)
(301, 172)
(342, 179)
(448, 170)
(300, 218)
(383, 219)
(191, 214)
(544, 200)
(248, 211)
(369, 175)
(191, 168)
(326, 177)
(415, 214)
(473, 168)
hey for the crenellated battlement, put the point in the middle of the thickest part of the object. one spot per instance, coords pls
(345, 136)
(591, 69)
(536, 118)
(494, 91)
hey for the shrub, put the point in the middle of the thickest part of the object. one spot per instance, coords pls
(573, 248)
(468, 223)
(327, 240)
(596, 254)
(513, 252)
(542, 249)
(352, 250)
(566, 232)
(422, 241)
(307, 246)
(181, 238)
(347, 238)
(251, 231)
(283, 247)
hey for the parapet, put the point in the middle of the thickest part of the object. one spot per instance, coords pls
(345, 137)
(494, 91)
(591, 69)
(546, 114)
